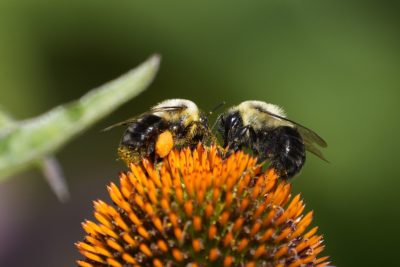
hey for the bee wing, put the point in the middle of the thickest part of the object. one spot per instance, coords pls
(313, 149)
(170, 108)
(310, 138)
(131, 120)
(310, 135)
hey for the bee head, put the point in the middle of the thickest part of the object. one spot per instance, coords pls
(203, 119)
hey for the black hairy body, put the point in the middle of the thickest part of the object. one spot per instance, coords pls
(263, 129)
(139, 138)
(180, 117)
(282, 146)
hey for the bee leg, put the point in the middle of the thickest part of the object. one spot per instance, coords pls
(150, 144)
(232, 130)
(220, 122)
(242, 137)
(238, 138)
(286, 151)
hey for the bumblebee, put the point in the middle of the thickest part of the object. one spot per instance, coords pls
(171, 123)
(264, 129)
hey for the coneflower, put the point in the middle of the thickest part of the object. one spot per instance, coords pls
(197, 209)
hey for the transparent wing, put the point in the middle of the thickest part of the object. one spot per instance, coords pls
(313, 149)
(311, 139)
(310, 135)
(132, 120)
(171, 108)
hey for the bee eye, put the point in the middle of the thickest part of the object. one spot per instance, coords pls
(230, 121)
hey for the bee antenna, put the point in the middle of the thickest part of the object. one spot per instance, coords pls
(121, 123)
(220, 105)
(215, 123)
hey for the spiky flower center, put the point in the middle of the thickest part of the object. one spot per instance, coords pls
(197, 209)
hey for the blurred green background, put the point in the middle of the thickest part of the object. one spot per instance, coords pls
(334, 66)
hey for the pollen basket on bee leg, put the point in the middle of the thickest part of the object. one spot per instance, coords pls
(164, 144)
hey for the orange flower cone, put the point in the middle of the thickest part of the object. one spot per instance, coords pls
(197, 209)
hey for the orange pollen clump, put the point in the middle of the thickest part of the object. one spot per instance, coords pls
(200, 208)
(164, 144)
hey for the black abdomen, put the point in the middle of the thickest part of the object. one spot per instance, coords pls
(139, 138)
(284, 147)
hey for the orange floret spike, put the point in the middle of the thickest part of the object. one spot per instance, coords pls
(228, 261)
(267, 235)
(143, 232)
(197, 245)
(251, 264)
(145, 249)
(174, 219)
(91, 228)
(311, 233)
(242, 244)
(132, 216)
(284, 234)
(296, 263)
(128, 258)
(113, 263)
(108, 232)
(114, 245)
(94, 241)
(178, 235)
(178, 255)
(165, 205)
(158, 224)
(197, 223)
(92, 256)
(214, 254)
(259, 251)
(157, 263)
(228, 239)
(179, 195)
(212, 232)
(84, 246)
(322, 259)
(84, 264)
(129, 240)
(238, 224)
(281, 251)
(162, 245)
(224, 217)
(201, 206)
(209, 210)
(324, 264)
(255, 229)
(200, 196)
(244, 204)
(188, 206)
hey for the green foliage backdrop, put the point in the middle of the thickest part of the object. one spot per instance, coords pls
(334, 66)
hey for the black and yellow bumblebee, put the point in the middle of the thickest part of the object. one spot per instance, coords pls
(264, 129)
(169, 124)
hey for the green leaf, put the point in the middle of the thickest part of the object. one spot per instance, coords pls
(26, 143)
(6, 121)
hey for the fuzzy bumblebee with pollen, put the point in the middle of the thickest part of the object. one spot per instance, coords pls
(264, 129)
(173, 123)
